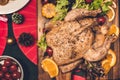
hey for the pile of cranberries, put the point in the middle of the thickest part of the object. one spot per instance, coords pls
(9, 70)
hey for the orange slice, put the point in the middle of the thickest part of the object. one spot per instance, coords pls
(113, 30)
(110, 13)
(106, 66)
(114, 4)
(50, 66)
(48, 10)
(109, 61)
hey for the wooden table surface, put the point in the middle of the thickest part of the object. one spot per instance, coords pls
(114, 73)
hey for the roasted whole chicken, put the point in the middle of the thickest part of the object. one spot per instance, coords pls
(75, 38)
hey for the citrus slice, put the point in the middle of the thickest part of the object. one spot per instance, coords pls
(111, 56)
(106, 66)
(110, 13)
(107, 0)
(109, 61)
(113, 30)
(114, 4)
(48, 10)
(50, 66)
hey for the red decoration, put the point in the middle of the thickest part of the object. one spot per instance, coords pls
(29, 26)
(3, 36)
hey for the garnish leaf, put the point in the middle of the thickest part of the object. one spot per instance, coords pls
(61, 9)
(42, 43)
(96, 4)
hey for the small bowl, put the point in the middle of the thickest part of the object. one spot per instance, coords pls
(20, 69)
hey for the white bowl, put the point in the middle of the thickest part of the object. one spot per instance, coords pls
(20, 69)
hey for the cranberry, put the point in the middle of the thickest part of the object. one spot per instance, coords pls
(0, 66)
(54, 1)
(88, 1)
(10, 79)
(8, 75)
(16, 75)
(44, 30)
(1, 74)
(49, 51)
(3, 79)
(7, 62)
(101, 20)
(44, 1)
(4, 68)
(13, 67)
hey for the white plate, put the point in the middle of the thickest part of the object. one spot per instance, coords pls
(13, 6)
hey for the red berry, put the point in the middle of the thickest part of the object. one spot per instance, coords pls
(44, 30)
(7, 62)
(49, 51)
(0, 66)
(1, 74)
(10, 79)
(88, 1)
(7, 75)
(16, 75)
(3, 79)
(44, 1)
(13, 68)
(101, 20)
(4, 68)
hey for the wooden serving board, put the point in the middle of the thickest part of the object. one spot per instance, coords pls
(114, 73)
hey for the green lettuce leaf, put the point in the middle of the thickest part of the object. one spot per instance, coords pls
(42, 43)
(96, 4)
(61, 9)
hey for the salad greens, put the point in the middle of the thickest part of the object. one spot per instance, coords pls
(61, 9)
(105, 6)
(42, 43)
(100, 4)
(80, 4)
(96, 4)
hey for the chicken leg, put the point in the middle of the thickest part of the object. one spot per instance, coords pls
(99, 53)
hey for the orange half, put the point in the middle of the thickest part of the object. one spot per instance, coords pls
(113, 30)
(50, 66)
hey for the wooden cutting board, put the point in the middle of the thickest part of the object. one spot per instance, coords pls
(114, 73)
